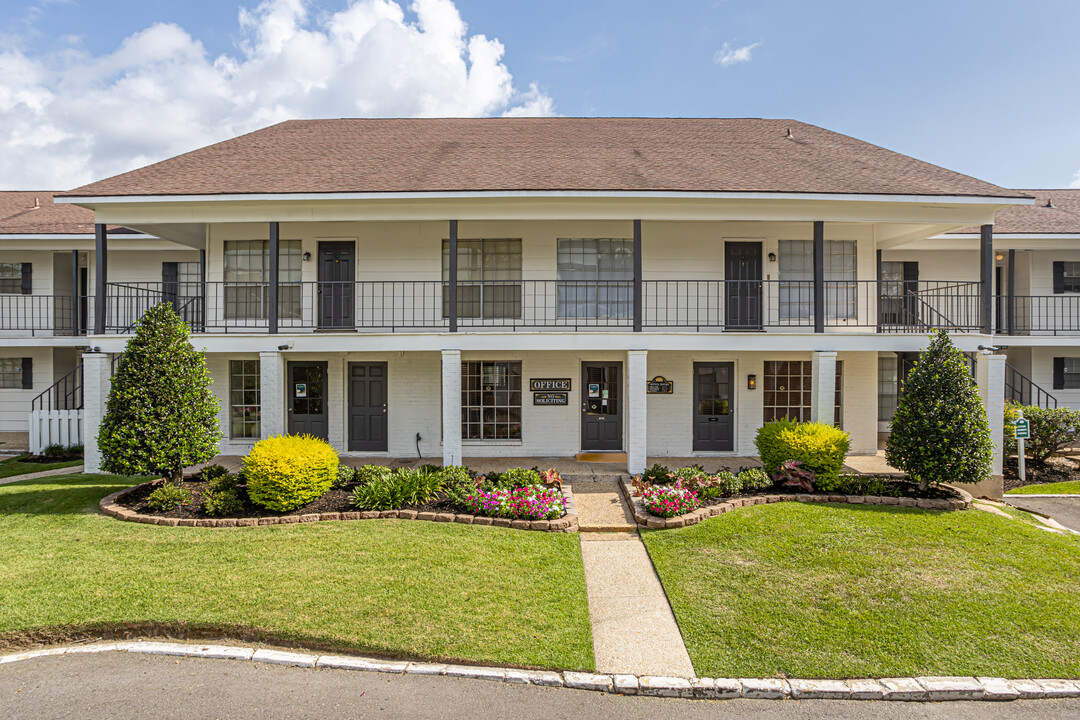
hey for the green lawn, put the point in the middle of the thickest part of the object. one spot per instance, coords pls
(415, 589)
(16, 466)
(1069, 487)
(852, 591)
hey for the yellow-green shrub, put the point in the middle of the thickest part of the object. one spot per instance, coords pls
(820, 448)
(287, 471)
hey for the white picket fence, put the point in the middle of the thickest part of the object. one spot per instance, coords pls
(55, 427)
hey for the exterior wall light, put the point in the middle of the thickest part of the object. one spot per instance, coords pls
(751, 382)
(306, 256)
(772, 257)
(999, 257)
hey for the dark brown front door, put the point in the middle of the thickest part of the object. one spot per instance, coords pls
(742, 276)
(307, 399)
(601, 406)
(336, 277)
(367, 406)
(714, 426)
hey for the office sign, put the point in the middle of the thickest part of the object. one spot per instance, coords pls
(541, 384)
(659, 385)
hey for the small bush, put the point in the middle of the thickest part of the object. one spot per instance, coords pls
(520, 477)
(223, 482)
(818, 448)
(458, 483)
(669, 500)
(54, 451)
(345, 476)
(288, 471)
(367, 473)
(755, 479)
(222, 502)
(849, 484)
(1051, 430)
(657, 475)
(728, 484)
(168, 497)
(212, 472)
(74, 451)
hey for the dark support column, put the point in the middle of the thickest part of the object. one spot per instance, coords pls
(819, 276)
(986, 266)
(202, 290)
(1011, 310)
(101, 277)
(451, 292)
(74, 292)
(878, 286)
(272, 291)
(637, 276)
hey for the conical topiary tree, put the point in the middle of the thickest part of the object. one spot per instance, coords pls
(160, 416)
(940, 432)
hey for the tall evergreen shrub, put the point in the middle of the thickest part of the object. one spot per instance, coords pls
(160, 416)
(940, 432)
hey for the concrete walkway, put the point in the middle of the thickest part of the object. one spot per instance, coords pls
(1065, 510)
(43, 473)
(633, 628)
(601, 508)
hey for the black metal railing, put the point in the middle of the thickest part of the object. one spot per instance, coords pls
(1038, 314)
(391, 305)
(64, 394)
(1019, 388)
(44, 314)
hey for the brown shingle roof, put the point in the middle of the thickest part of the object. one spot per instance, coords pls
(19, 216)
(499, 154)
(1063, 215)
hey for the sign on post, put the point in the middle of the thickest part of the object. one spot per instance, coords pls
(1023, 429)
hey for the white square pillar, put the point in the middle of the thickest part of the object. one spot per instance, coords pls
(272, 394)
(451, 407)
(823, 388)
(990, 377)
(637, 378)
(97, 382)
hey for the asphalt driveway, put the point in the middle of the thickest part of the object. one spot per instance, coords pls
(119, 685)
(1066, 510)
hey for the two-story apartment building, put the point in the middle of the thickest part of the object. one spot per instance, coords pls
(548, 287)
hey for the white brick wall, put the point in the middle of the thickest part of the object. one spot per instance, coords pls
(97, 380)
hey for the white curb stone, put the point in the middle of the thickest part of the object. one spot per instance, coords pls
(725, 689)
(160, 648)
(820, 690)
(1059, 688)
(105, 647)
(951, 688)
(516, 677)
(626, 684)
(545, 678)
(587, 681)
(866, 689)
(44, 652)
(221, 652)
(345, 662)
(903, 689)
(425, 669)
(479, 673)
(763, 688)
(278, 657)
(1028, 689)
(998, 689)
(665, 687)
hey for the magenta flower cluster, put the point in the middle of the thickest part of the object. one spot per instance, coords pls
(533, 502)
(670, 500)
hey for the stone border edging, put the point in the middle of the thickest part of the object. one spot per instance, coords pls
(962, 501)
(568, 523)
(920, 689)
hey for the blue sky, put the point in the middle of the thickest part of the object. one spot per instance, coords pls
(976, 86)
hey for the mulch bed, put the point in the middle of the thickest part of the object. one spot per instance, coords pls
(44, 460)
(1056, 469)
(335, 500)
(910, 489)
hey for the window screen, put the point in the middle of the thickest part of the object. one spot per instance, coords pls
(489, 278)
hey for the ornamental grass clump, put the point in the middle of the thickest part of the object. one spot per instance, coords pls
(670, 500)
(285, 472)
(533, 502)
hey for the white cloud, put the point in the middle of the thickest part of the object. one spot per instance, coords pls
(728, 56)
(72, 117)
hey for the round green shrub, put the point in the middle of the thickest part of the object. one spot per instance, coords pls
(219, 503)
(755, 479)
(820, 448)
(366, 474)
(168, 497)
(288, 471)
